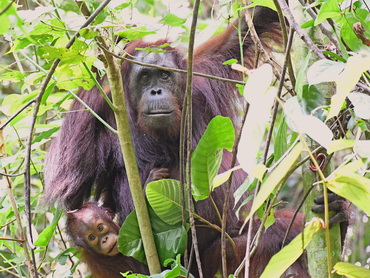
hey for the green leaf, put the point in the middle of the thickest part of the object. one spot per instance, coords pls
(353, 187)
(88, 33)
(45, 134)
(172, 20)
(65, 254)
(301, 80)
(4, 17)
(274, 178)
(207, 156)
(347, 34)
(280, 262)
(266, 3)
(308, 24)
(170, 239)
(164, 196)
(129, 240)
(329, 9)
(230, 62)
(351, 271)
(135, 33)
(46, 234)
(280, 142)
(340, 144)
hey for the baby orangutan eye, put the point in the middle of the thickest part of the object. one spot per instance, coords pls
(92, 237)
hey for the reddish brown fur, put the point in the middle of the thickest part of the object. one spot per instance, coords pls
(87, 154)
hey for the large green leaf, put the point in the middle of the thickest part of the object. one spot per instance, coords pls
(280, 262)
(207, 156)
(170, 239)
(275, 177)
(164, 196)
(351, 271)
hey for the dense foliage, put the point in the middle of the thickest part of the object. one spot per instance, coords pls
(324, 101)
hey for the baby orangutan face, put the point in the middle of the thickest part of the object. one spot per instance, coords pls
(101, 236)
(92, 227)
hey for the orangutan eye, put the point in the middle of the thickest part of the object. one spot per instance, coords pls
(144, 78)
(92, 237)
(165, 75)
(100, 227)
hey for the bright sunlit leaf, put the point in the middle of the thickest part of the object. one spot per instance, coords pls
(261, 97)
(352, 186)
(324, 71)
(275, 177)
(361, 102)
(351, 271)
(341, 144)
(362, 148)
(281, 261)
(352, 72)
(306, 124)
(223, 177)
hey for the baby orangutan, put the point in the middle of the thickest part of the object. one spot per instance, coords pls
(92, 228)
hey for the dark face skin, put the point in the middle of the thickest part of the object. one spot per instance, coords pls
(98, 233)
(155, 92)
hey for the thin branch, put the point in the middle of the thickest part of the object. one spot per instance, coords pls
(12, 239)
(17, 113)
(286, 42)
(11, 175)
(7, 7)
(188, 93)
(173, 69)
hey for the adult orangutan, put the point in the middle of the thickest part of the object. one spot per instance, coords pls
(87, 156)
